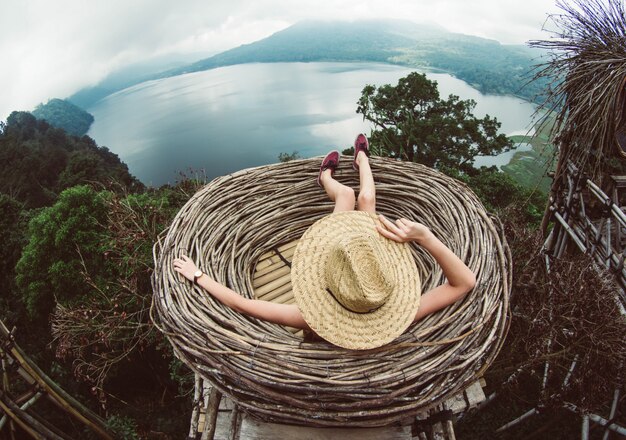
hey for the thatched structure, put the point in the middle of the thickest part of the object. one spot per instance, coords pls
(272, 373)
(587, 68)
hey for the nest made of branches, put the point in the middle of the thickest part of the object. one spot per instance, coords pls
(587, 68)
(276, 375)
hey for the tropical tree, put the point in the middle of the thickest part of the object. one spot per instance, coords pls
(411, 122)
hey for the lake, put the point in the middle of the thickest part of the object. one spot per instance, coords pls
(222, 120)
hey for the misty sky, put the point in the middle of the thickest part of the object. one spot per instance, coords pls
(54, 48)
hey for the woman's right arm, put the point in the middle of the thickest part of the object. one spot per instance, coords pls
(283, 314)
(460, 279)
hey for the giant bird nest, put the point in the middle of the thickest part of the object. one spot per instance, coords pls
(276, 375)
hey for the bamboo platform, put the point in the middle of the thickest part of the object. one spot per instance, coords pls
(272, 276)
(227, 422)
(272, 282)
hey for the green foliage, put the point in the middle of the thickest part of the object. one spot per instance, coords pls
(502, 195)
(413, 123)
(286, 157)
(530, 168)
(110, 323)
(38, 161)
(65, 115)
(484, 64)
(182, 375)
(64, 241)
(123, 427)
(13, 224)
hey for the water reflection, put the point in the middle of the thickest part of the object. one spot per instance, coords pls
(235, 117)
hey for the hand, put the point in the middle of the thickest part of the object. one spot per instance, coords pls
(403, 230)
(185, 266)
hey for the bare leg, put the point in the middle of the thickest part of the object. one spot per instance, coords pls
(342, 195)
(367, 192)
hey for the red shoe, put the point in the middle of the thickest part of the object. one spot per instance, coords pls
(360, 144)
(330, 162)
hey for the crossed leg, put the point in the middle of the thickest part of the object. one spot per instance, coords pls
(343, 195)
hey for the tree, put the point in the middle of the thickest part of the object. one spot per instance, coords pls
(65, 240)
(63, 114)
(12, 237)
(38, 161)
(411, 122)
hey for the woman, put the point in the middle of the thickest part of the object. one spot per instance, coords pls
(361, 277)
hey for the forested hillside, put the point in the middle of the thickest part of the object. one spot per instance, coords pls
(38, 161)
(63, 114)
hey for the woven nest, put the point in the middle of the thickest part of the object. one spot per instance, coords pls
(277, 376)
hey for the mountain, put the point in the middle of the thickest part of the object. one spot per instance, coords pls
(486, 64)
(38, 161)
(130, 75)
(364, 40)
(63, 114)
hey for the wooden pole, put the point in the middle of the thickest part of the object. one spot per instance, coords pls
(235, 423)
(210, 417)
(195, 413)
(521, 418)
(584, 435)
(54, 392)
(605, 436)
(26, 421)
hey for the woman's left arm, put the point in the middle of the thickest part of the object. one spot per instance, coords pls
(460, 279)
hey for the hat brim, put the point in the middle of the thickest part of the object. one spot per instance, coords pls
(324, 314)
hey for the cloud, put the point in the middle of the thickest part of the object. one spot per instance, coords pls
(53, 49)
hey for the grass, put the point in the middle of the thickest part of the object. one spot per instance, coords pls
(530, 168)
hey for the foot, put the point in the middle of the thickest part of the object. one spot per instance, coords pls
(329, 163)
(360, 144)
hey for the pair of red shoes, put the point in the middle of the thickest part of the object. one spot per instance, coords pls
(331, 160)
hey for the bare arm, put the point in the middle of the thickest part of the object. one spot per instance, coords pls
(284, 314)
(460, 278)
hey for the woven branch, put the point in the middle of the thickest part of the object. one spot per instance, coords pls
(587, 68)
(274, 374)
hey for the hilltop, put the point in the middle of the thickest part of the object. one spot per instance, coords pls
(63, 114)
(485, 64)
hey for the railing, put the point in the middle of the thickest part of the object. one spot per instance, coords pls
(17, 410)
(587, 217)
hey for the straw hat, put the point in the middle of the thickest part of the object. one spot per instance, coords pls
(354, 287)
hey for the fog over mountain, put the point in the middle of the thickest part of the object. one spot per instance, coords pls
(54, 49)
(485, 64)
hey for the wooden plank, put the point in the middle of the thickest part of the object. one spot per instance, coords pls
(253, 429)
(223, 425)
(262, 290)
(271, 276)
(270, 257)
(457, 403)
(285, 298)
(270, 296)
(474, 394)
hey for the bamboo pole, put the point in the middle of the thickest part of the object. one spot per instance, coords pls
(235, 423)
(616, 393)
(25, 421)
(520, 419)
(23, 407)
(56, 394)
(210, 417)
(598, 419)
(197, 402)
(584, 435)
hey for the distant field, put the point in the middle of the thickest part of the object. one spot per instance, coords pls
(530, 168)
